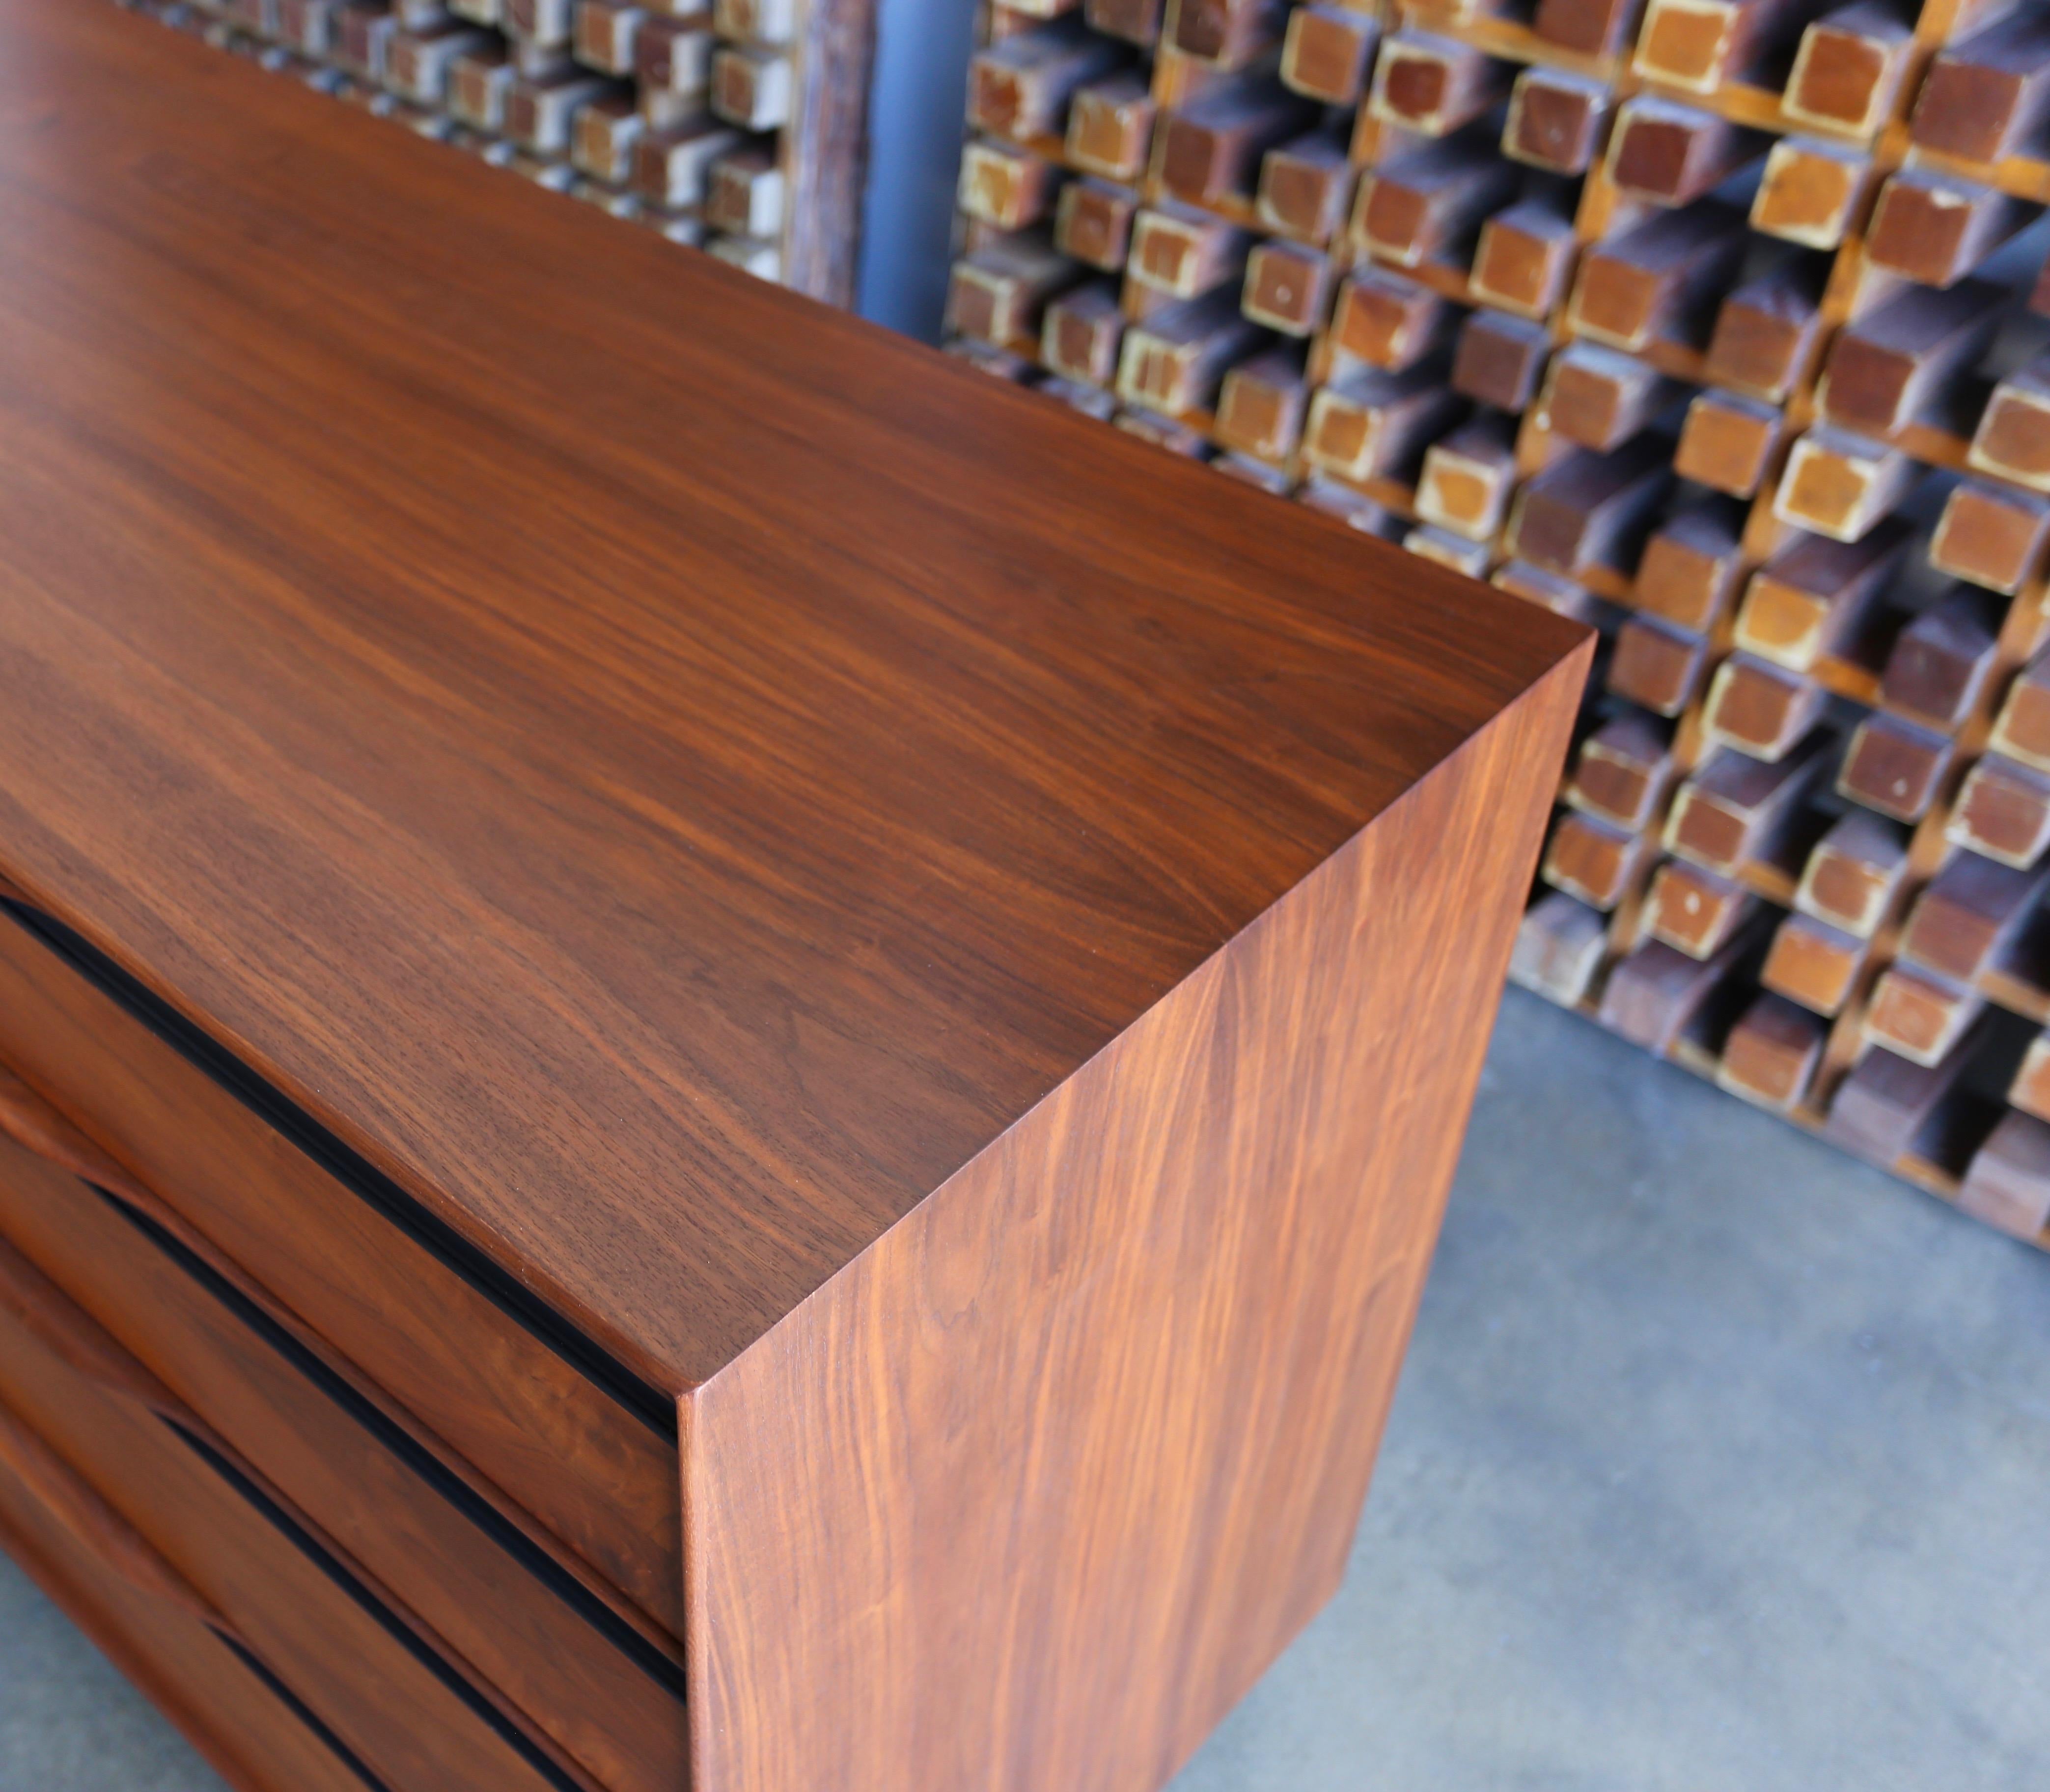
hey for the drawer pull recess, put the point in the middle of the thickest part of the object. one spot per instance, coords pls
(99, 1528)
(40, 1130)
(72, 1335)
(103, 1533)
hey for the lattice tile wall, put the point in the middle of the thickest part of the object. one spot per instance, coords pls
(1708, 321)
(737, 126)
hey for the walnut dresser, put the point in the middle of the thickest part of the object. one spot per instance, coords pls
(681, 1105)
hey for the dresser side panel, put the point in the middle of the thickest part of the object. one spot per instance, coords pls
(1028, 1496)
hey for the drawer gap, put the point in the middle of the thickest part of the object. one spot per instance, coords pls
(294, 1533)
(355, 1173)
(508, 1537)
(300, 1709)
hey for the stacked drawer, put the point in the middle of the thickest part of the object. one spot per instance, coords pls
(206, 1308)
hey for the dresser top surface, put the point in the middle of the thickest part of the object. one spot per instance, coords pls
(667, 771)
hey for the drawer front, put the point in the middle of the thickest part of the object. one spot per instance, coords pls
(256, 1570)
(536, 1411)
(232, 1709)
(573, 1667)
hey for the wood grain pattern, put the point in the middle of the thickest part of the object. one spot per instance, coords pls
(550, 1440)
(252, 1738)
(482, 1595)
(162, 1486)
(602, 870)
(1102, 1412)
(58, 1489)
(650, 801)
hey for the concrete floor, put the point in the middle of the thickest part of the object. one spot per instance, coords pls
(1720, 1465)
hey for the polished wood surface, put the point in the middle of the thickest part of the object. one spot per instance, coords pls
(1087, 1435)
(551, 1440)
(255, 1739)
(668, 808)
(134, 1481)
(847, 1002)
(612, 1705)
